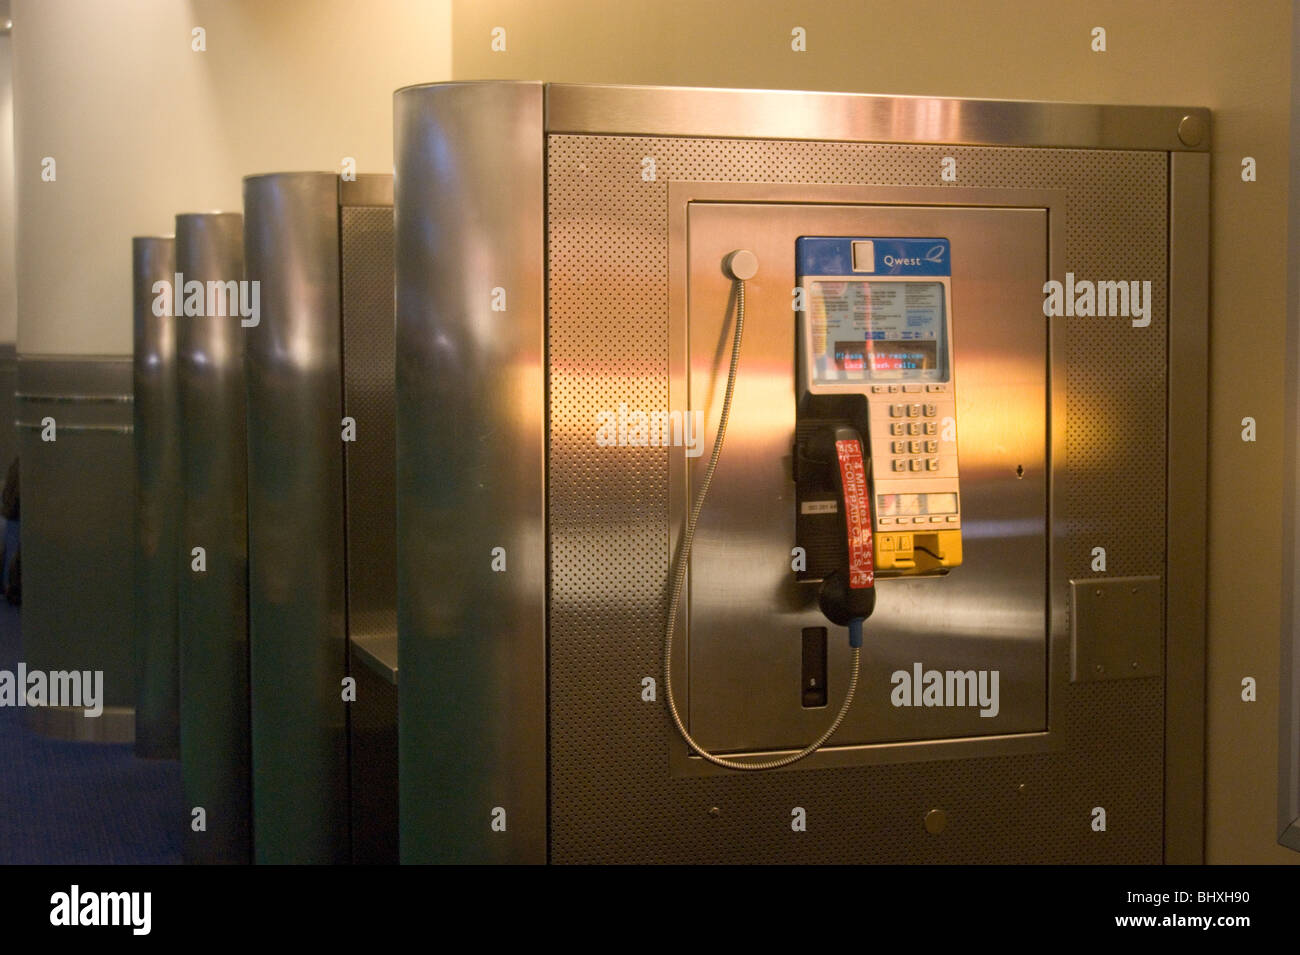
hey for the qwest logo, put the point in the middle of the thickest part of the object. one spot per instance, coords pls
(75, 907)
(215, 299)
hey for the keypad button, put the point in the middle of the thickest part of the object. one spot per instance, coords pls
(898, 428)
(936, 387)
(914, 447)
(900, 464)
(952, 518)
(932, 447)
(886, 520)
(930, 411)
(916, 464)
(932, 427)
(913, 410)
(899, 447)
(897, 411)
(877, 389)
(936, 520)
(914, 427)
(912, 388)
(893, 389)
(932, 464)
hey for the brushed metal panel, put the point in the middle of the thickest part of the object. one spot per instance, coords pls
(158, 555)
(215, 746)
(368, 189)
(792, 114)
(78, 533)
(296, 572)
(1116, 628)
(608, 324)
(746, 609)
(470, 466)
(1188, 490)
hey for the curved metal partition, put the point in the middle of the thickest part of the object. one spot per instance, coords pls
(297, 605)
(213, 601)
(158, 497)
(470, 467)
(321, 511)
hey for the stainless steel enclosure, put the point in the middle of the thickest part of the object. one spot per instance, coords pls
(158, 556)
(321, 511)
(558, 259)
(214, 575)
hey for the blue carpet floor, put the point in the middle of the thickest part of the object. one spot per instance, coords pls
(80, 803)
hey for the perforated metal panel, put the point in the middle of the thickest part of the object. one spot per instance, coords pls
(612, 796)
(367, 237)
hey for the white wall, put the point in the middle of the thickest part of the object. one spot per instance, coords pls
(142, 127)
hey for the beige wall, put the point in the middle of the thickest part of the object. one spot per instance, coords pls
(1233, 58)
(141, 127)
(8, 286)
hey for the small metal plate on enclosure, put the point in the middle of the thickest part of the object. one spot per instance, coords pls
(1116, 628)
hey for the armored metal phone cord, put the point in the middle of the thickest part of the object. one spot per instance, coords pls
(679, 580)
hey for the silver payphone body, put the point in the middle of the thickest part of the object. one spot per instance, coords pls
(565, 328)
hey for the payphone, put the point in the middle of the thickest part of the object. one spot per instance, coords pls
(618, 300)
(875, 356)
(875, 456)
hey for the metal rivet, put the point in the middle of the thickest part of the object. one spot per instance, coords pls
(1021, 788)
(1191, 130)
(935, 820)
(1097, 591)
(1099, 668)
(715, 811)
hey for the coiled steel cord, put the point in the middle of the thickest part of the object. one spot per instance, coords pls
(679, 580)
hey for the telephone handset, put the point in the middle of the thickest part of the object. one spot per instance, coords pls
(849, 591)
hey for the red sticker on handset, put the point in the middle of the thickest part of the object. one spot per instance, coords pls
(857, 514)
